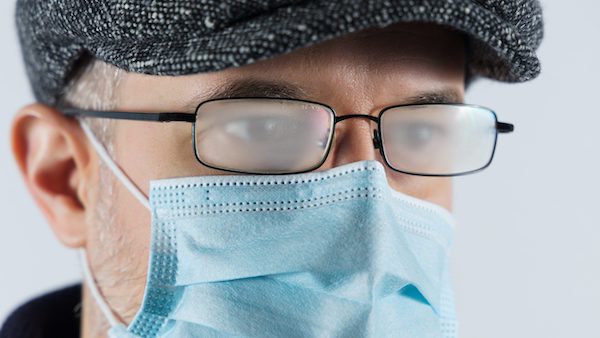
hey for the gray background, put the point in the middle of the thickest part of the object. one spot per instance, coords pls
(527, 252)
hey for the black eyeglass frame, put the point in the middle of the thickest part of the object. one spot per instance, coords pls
(501, 127)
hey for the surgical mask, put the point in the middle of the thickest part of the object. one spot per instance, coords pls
(335, 253)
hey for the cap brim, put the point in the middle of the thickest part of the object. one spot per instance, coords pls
(497, 49)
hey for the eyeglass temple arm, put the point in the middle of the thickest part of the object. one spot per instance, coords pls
(152, 117)
(504, 128)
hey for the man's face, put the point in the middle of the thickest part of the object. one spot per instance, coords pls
(361, 73)
(358, 74)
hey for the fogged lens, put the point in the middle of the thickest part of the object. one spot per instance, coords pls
(438, 139)
(267, 136)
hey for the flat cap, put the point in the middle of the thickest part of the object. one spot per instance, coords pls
(178, 37)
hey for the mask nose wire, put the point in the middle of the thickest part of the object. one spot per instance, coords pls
(114, 167)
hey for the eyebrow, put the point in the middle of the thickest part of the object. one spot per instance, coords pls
(277, 89)
(447, 95)
(251, 88)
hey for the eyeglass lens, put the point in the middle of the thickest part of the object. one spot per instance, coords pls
(438, 139)
(263, 136)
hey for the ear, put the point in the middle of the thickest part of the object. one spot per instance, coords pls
(54, 159)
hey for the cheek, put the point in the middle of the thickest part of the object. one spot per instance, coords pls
(118, 246)
(132, 243)
(133, 222)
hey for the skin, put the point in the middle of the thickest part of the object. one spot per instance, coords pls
(360, 73)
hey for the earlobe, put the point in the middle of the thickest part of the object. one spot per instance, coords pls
(54, 159)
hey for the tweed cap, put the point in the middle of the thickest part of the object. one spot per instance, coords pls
(178, 37)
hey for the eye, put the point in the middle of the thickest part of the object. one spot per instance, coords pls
(261, 129)
(415, 135)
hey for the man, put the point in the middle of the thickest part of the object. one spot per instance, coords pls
(301, 181)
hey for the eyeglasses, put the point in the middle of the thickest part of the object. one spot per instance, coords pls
(286, 136)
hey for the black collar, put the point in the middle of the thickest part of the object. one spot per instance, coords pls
(56, 314)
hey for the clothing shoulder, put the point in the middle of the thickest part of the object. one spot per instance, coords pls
(56, 314)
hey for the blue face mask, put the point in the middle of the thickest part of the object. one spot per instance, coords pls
(336, 253)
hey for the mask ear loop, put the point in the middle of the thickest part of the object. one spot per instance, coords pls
(116, 170)
(137, 193)
(91, 284)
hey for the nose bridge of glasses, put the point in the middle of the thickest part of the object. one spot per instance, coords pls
(359, 116)
(376, 140)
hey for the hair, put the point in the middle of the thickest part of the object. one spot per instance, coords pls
(94, 85)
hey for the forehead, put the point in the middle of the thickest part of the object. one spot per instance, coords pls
(398, 58)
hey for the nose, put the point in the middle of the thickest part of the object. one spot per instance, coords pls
(353, 140)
